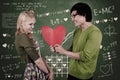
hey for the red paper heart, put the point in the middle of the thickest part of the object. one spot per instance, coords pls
(53, 36)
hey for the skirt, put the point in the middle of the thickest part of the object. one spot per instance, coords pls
(32, 72)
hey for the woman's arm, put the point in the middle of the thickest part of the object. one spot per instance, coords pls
(51, 75)
(41, 64)
(31, 51)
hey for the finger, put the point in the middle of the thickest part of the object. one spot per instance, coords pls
(54, 49)
(56, 45)
(47, 76)
(51, 47)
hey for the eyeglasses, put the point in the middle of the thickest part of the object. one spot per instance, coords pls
(74, 15)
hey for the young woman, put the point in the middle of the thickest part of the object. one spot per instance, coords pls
(86, 44)
(27, 47)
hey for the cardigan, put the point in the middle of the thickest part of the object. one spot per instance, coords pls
(25, 47)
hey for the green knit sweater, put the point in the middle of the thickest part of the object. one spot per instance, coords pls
(87, 43)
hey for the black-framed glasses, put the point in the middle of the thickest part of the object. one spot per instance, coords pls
(74, 15)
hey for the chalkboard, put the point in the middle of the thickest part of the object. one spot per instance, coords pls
(106, 15)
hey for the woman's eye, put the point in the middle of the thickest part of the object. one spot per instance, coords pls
(30, 24)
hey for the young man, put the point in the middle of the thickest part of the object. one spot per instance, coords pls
(86, 44)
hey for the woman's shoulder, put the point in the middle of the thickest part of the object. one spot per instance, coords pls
(22, 36)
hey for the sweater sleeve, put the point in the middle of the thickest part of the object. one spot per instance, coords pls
(27, 44)
(92, 46)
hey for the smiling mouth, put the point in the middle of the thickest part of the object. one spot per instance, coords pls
(30, 30)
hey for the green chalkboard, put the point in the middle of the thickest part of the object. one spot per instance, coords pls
(106, 15)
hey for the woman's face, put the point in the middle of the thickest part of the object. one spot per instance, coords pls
(28, 25)
(77, 19)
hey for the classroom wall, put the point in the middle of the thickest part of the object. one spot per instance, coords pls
(106, 16)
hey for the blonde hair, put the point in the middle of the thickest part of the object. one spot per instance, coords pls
(23, 16)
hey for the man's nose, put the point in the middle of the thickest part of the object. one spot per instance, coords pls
(72, 18)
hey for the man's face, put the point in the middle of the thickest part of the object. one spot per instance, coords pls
(77, 19)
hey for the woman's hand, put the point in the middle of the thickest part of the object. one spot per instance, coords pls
(51, 75)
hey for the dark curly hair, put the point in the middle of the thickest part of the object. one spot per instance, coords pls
(83, 9)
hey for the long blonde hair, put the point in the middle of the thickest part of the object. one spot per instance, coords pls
(23, 16)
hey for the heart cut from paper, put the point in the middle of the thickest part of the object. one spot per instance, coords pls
(53, 36)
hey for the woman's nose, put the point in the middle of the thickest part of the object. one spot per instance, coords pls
(32, 26)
